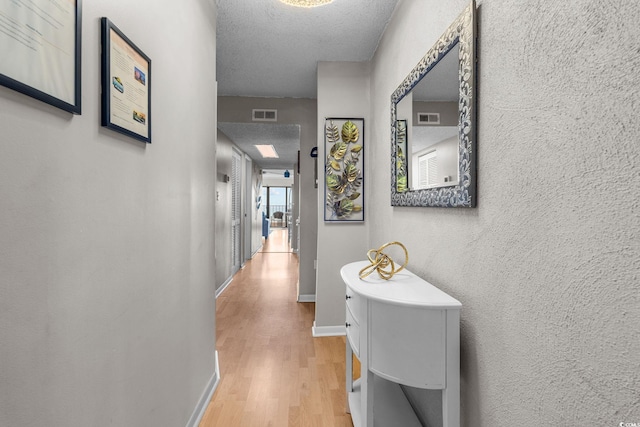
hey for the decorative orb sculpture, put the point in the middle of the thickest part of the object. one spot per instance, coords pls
(382, 263)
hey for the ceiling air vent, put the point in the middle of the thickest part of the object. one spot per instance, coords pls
(428, 118)
(265, 115)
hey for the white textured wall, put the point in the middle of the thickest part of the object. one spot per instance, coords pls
(547, 266)
(224, 150)
(106, 244)
(255, 212)
(343, 91)
(278, 181)
(224, 270)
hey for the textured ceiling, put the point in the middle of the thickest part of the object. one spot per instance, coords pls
(441, 83)
(269, 49)
(284, 138)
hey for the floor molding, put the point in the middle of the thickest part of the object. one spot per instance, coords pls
(307, 298)
(224, 286)
(207, 394)
(327, 331)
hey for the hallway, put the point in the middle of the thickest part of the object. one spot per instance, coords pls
(273, 372)
(278, 242)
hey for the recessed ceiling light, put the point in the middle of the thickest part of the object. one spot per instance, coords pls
(306, 3)
(267, 151)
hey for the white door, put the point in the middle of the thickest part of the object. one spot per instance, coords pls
(249, 209)
(236, 211)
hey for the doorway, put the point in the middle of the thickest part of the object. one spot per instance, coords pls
(278, 205)
(236, 211)
(247, 209)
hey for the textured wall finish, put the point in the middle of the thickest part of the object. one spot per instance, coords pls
(342, 31)
(224, 270)
(547, 266)
(107, 270)
(343, 91)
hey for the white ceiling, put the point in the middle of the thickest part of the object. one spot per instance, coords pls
(269, 49)
(284, 138)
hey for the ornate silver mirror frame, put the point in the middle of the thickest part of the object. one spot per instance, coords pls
(463, 194)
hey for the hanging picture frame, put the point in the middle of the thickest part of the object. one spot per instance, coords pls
(344, 170)
(402, 166)
(40, 47)
(126, 85)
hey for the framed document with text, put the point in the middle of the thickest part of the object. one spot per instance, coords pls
(126, 85)
(40, 49)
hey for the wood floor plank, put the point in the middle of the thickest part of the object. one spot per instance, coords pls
(273, 372)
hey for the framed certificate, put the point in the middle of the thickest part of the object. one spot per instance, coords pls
(126, 85)
(40, 50)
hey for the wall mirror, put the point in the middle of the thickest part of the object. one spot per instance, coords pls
(433, 124)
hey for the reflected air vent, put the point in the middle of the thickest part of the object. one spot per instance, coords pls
(265, 115)
(428, 118)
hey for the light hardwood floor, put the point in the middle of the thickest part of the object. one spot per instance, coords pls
(273, 372)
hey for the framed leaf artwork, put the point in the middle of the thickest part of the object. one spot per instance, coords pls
(344, 170)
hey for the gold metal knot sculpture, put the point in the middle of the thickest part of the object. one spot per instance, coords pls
(382, 263)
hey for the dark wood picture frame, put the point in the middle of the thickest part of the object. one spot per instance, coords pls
(126, 85)
(33, 42)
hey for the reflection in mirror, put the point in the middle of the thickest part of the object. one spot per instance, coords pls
(402, 180)
(434, 157)
(430, 111)
(433, 123)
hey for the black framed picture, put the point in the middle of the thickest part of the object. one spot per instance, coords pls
(126, 85)
(344, 170)
(402, 165)
(40, 47)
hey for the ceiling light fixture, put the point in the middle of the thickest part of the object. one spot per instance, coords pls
(267, 151)
(306, 3)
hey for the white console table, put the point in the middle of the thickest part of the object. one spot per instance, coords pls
(403, 331)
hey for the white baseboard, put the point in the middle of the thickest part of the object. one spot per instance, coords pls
(327, 331)
(306, 298)
(207, 394)
(224, 286)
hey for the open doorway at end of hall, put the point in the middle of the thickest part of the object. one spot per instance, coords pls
(278, 205)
